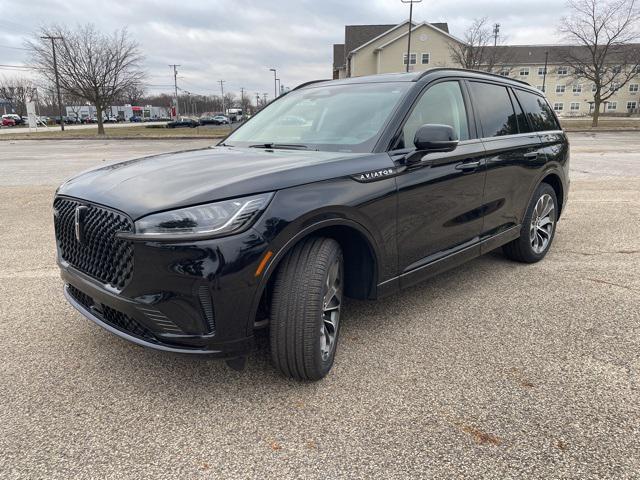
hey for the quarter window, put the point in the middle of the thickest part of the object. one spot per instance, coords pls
(494, 109)
(426, 58)
(441, 104)
(537, 110)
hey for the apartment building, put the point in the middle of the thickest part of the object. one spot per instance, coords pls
(372, 49)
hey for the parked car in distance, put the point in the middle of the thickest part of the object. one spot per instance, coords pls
(135, 119)
(183, 122)
(7, 121)
(65, 119)
(390, 180)
(89, 120)
(17, 119)
(208, 121)
(111, 119)
(222, 120)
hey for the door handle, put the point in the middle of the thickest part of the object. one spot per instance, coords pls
(468, 166)
(531, 155)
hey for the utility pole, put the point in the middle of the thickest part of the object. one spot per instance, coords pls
(410, 2)
(544, 77)
(175, 86)
(275, 88)
(496, 32)
(222, 82)
(257, 101)
(55, 69)
(264, 99)
(242, 102)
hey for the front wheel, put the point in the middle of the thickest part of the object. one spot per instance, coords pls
(538, 227)
(305, 310)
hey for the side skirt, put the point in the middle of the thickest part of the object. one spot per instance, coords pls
(429, 268)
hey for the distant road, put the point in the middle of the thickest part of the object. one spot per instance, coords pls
(14, 130)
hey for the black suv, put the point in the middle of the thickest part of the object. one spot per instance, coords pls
(381, 182)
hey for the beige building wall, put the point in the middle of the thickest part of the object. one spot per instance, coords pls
(570, 96)
(385, 55)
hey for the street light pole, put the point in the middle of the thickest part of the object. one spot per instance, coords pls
(275, 88)
(222, 92)
(279, 87)
(55, 70)
(544, 77)
(410, 2)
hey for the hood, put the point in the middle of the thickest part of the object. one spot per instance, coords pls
(163, 182)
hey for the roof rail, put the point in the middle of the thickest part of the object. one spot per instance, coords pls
(302, 85)
(472, 71)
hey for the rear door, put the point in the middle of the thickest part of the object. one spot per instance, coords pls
(514, 155)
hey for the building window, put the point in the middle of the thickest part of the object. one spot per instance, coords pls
(426, 58)
(503, 73)
(542, 88)
(593, 88)
(412, 59)
(612, 105)
(575, 106)
(541, 71)
(524, 72)
(577, 88)
(558, 107)
(560, 89)
(631, 105)
(633, 88)
(579, 71)
(563, 70)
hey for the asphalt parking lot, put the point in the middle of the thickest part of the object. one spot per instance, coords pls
(492, 370)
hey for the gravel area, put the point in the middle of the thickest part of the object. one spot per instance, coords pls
(491, 370)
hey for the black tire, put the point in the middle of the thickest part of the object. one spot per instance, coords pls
(298, 310)
(522, 249)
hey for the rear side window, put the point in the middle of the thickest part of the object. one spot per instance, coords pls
(494, 109)
(538, 111)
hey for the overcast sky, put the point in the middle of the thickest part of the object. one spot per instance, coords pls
(239, 40)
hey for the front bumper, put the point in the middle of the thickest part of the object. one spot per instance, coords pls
(189, 298)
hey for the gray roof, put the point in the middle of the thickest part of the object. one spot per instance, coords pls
(338, 55)
(535, 54)
(357, 35)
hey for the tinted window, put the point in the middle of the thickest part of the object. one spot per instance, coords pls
(538, 111)
(441, 104)
(523, 124)
(494, 109)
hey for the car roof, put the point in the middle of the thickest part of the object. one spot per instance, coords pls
(424, 77)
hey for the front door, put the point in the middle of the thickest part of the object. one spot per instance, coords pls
(440, 198)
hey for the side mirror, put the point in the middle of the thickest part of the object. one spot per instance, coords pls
(435, 138)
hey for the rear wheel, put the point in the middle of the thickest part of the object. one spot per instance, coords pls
(305, 310)
(538, 227)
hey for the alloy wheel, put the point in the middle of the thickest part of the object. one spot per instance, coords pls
(543, 221)
(331, 304)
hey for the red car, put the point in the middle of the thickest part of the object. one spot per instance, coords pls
(8, 122)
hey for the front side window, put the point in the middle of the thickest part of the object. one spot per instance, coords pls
(494, 109)
(441, 104)
(345, 118)
(537, 110)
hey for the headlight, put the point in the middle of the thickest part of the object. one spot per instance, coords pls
(213, 219)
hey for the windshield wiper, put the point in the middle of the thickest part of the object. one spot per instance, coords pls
(289, 146)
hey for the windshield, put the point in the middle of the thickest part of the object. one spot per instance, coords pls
(347, 118)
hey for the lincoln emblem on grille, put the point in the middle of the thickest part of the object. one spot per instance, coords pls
(79, 223)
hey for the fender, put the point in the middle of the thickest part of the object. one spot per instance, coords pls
(553, 168)
(291, 242)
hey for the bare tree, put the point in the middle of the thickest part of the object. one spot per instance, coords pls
(18, 91)
(93, 66)
(134, 94)
(603, 31)
(480, 49)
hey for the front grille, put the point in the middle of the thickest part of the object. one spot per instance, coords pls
(115, 318)
(99, 254)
